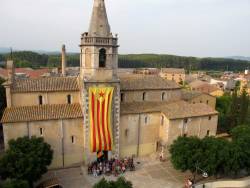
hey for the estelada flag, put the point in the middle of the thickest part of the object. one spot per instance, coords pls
(100, 106)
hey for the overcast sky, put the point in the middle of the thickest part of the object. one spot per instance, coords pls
(181, 27)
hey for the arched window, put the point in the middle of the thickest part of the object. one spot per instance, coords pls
(102, 58)
(41, 131)
(69, 99)
(40, 98)
(146, 120)
(73, 139)
(163, 96)
(144, 96)
(122, 97)
(162, 120)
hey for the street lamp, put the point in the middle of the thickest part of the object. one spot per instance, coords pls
(204, 173)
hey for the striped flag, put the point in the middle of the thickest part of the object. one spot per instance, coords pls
(100, 105)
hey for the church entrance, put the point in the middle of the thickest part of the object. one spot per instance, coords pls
(102, 156)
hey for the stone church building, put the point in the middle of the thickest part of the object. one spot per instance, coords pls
(144, 114)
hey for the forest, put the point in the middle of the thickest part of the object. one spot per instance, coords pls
(36, 60)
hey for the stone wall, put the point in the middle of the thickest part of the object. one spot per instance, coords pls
(32, 98)
(151, 95)
(57, 133)
(195, 126)
(206, 99)
(139, 138)
(177, 77)
(139, 134)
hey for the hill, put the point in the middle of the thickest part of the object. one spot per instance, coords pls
(4, 50)
(36, 60)
(189, 63)
(240, 58)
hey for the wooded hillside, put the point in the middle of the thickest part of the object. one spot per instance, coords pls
(35, 60)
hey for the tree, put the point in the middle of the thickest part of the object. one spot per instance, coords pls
(241, 139)
(15, 184)
(235, 163)
(244, 102)
(223, 106)
(103, 183)
(26, 159)
(120, 183)
(186, 153)
(234, 111)
(215, 155)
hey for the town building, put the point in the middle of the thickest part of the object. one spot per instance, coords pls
(206, 87)
(174, 74)
(101, 112)
(194, 97)
(26, 73)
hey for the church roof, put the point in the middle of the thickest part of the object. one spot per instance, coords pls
(172, 110)
(47, 84)
(145, 82)
(41, 113)
(189, 95)
(181, 109)
(99, 25)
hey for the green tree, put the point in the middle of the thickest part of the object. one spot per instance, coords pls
(241, 137)
(234, 110)
(15, 184)
(26, 159)
(186, 153)
(120, 183)
(223, 106)
(244, 103)
(215, 155)
(22, 63)
(103, 183)
(236, 162)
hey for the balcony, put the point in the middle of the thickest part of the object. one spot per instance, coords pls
(99, 41)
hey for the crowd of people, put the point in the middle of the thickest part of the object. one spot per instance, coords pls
(109, 167)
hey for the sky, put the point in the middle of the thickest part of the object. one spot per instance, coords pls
(215, 28)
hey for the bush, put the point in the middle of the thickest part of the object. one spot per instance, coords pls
(15, 184)
(26, 159)
(213, 155)
(120, 183)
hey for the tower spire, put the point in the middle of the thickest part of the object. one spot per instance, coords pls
(99, 25)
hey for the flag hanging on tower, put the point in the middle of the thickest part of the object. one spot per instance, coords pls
(100, 105)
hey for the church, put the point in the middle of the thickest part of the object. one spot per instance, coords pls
(101, 112)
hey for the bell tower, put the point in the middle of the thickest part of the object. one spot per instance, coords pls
(98, 72)
(99, 48)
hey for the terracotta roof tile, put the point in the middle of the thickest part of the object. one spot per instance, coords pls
(173, 110)
(46, 84)
(188, 95)
(31, 73)
(145, 82)
(41, 113)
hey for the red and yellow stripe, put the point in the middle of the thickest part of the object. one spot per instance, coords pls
(100, 106)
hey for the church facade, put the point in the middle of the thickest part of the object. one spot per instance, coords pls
(101, 112)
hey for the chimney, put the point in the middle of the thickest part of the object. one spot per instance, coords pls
(64, 63)
(11, 71)
(11, 79)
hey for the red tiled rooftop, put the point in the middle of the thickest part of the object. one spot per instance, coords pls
(31, 73)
